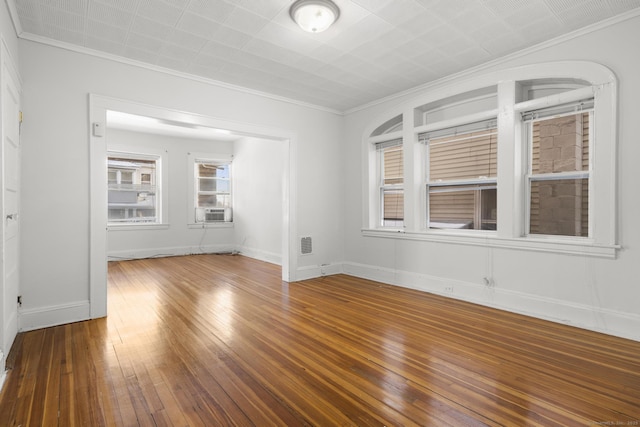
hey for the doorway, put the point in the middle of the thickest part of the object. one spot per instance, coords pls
(99, 108)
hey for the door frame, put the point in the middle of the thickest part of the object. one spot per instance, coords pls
(9, 310)
(98, 107)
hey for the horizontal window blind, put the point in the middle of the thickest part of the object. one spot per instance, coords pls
(463, 152)
(466, 128)
(558, 110)
(133, 164)
(392, 194)
(393, 204)
(461, 175)
(388, 144)
(391, 152)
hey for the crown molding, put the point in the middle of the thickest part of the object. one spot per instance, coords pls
(111, 57)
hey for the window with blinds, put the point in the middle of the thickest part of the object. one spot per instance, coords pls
(391, 173)
(559, 169)
(462, 176)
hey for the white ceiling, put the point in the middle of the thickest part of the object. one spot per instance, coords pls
(375, 49)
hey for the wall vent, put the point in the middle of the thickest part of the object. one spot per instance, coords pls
(305, 246)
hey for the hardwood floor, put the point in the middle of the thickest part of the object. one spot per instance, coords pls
(220, 340)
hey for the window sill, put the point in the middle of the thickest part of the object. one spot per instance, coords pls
(201, 225)
(490, 239)
(130, 227)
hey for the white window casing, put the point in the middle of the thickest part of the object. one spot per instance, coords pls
(557, 173)
(461, 179)
(137, 189)
(209, 197)
(565, 83)
(391, 183)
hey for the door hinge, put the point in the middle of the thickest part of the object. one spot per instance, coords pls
(20, 116)
(19, 300)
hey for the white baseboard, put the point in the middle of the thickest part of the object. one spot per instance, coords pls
(44, 317)
(313, 271)
(168, 251)
(261, 255)
(258, 254)
(624, 325)
(11, 326)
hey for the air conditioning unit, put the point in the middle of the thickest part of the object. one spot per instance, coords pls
(213, 215)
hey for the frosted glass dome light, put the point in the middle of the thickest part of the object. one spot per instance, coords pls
(314, 16)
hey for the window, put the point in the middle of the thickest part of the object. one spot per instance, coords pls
(559, 168)
(461, 188)
(133, 196)
(390, 167)
(210, 190)
(544, 139)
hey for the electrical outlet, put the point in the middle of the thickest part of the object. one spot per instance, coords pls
(448, 289)
(488, 282)
(323, 269)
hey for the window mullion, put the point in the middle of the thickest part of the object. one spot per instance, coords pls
(510, 175)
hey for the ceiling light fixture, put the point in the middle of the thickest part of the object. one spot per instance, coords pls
(314, 16)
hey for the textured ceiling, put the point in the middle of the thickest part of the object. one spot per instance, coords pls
(375, 49)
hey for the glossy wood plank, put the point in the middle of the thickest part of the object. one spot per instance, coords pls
(214, 340)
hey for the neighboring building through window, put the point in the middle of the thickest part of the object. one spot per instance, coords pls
(558, 178)
(212, 191)
(132, 189)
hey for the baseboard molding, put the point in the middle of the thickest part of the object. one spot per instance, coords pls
(10, 328)
(258, 254)
(44, 317)
(624, 325)
(169, 251)
(314, 271)
(270, 257)
(3, 376)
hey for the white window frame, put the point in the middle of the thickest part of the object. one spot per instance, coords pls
(192, 160)
(530, 176)
(384, 188)
(591, 80)
(471, 183)
(160, 157)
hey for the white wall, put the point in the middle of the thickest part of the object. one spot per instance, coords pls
(595, 293)
(55, 173)
(177, 238)
(257, 173)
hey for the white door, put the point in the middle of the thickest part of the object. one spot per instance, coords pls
(10, 177)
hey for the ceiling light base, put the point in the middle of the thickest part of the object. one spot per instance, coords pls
(314, 16)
